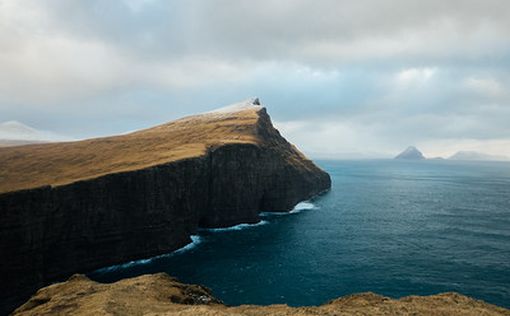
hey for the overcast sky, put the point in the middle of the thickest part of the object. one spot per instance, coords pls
(339, 78)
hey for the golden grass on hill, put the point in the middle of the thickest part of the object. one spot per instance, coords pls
(159, 294)
(31, 166)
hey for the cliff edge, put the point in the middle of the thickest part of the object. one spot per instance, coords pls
(159, 294)
(78, 206)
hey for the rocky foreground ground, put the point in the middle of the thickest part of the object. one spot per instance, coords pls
(160, 294)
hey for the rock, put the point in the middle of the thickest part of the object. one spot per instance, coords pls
(159, 294)
(411, 153)
(78, 206)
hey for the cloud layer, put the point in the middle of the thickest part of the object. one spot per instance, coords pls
(339, 77)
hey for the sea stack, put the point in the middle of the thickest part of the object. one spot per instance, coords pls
(78, 206)
(411, 153)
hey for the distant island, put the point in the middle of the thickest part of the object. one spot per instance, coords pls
(411, 153)
(473, 155)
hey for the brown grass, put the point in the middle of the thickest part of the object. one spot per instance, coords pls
(31, 166)
(159, 294)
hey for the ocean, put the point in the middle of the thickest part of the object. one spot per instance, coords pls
(395, 228)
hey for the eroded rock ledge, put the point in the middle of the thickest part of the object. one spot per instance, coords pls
(73, 207)
(159, 294)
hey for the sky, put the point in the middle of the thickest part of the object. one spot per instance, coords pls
(340, 79)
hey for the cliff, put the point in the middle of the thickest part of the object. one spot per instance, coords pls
(77, 206)
(160, 294)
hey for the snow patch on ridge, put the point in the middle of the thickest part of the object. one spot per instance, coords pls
(252, 103)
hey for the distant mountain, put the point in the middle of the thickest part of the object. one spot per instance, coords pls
(411, 153)
(473, 155)
(19, 142)
(13, 133)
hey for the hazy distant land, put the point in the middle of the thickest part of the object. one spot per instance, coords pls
(413, 153)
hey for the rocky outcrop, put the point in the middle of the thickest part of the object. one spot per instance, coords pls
(74, 207)
(159, 294)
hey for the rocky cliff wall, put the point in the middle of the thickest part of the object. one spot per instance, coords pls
(48, 233)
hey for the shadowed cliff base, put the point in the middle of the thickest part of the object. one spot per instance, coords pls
(159, 294)
(79, 206)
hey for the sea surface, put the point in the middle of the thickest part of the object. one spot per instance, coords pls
(391, 227)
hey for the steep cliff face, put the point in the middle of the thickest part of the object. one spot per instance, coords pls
(159, 294)
(75, 207)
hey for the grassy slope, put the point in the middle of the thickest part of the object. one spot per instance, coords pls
(31, 166)
(159, 294)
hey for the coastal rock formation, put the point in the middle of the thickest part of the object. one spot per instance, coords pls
(411, 153)
(78, 206)
(159, 294)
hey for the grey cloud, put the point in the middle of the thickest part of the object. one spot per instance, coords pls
(305, 31)
(386, 73)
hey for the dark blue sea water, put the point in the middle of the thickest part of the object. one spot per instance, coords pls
(392, 227)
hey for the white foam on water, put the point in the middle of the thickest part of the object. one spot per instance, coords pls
(236, 227)
(301, 206)
(265, 214)
(195, 240)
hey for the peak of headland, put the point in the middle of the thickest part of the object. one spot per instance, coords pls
(36, 165)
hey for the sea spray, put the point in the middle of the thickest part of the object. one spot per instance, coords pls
(235, 227)
(301, 206)
(195, 240)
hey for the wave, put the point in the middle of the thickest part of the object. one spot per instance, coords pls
(236, 227)
(195, 240)
(266, 214)
(301, 206)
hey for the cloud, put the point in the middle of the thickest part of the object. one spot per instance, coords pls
(415, 75)
(485, 86)
(360, 76)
